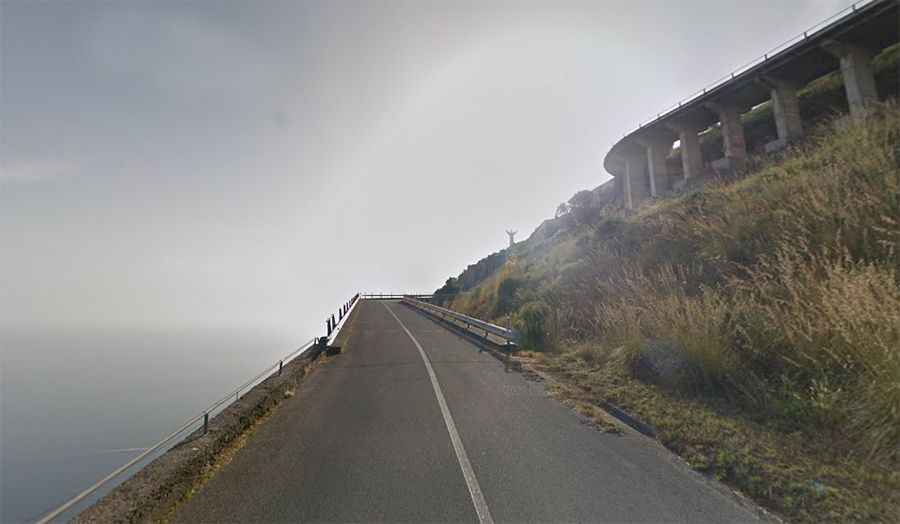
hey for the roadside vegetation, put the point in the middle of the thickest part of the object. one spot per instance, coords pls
(754, 322)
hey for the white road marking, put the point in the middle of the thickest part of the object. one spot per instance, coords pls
(481, 507)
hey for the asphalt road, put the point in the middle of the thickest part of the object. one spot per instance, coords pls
(376, 434)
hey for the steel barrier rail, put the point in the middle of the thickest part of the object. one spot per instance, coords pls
(336, 328)
(332, 322)
(511, 336)
(394, 296)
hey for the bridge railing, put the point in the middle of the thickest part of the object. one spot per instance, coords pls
(809, 33)
(480, 327)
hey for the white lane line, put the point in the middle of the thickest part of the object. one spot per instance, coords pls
(481, 508)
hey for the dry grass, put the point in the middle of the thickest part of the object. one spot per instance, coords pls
(790, 299)
(832, 326)
(780, 293)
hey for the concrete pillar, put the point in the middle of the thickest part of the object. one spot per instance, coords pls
(691, 156)
(619, 187)
(859, 78)
(636, 167)
(657, 150)
(732, 132)
(786, 108)
(626, 187)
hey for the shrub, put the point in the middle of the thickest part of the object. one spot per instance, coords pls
(533, 321)
(506, 295)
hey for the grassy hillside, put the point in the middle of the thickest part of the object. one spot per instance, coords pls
(755, 322)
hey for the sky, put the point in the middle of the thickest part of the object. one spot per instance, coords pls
(236, 163)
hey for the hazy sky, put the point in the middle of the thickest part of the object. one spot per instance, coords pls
(254, 163)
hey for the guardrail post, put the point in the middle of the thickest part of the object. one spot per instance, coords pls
(206, 423)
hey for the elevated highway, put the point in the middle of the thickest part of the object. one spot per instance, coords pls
(847, 43)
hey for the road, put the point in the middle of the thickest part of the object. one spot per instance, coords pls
(378, 434)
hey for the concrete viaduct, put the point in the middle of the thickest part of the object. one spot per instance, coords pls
(638, 161)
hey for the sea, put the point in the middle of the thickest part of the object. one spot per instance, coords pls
(77, 403)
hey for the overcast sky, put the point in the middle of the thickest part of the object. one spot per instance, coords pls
(255, 163)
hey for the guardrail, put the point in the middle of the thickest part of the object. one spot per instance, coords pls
(809, 33)
(394, 296)
(472, 324)
(201, 421)
(332, 322)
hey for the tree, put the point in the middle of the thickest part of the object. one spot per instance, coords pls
(582, 199)
(446, 293)
(561, 210)
(583, 207)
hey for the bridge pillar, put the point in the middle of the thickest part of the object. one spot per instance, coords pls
(619, 186)
(636, 169)
(786, 108)
(859, 78)
(627, 197)
(633, 179)
(657, 149)
(732, 135)
(691, 155)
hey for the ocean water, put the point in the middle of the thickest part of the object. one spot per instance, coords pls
(76, 404)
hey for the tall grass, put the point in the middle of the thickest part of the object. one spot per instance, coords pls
(779, 291)
(656, 308)
(831, 324)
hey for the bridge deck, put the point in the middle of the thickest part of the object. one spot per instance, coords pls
(365, 439)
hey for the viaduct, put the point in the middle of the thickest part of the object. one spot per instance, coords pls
(638, 162)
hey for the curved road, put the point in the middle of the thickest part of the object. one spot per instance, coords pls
(378, 434)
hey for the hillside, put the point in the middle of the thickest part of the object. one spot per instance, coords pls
(755, 322)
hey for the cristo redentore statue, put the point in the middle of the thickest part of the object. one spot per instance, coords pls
(512, 236)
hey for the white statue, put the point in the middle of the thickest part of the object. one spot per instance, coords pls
(512, 236)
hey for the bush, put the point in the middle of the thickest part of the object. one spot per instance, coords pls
(446, 293)
(506, 295)
(532, 322)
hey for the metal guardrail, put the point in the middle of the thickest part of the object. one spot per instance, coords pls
(510, 336)
(201, 421)
(809, 33)
(332, 322)
(394, 296)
